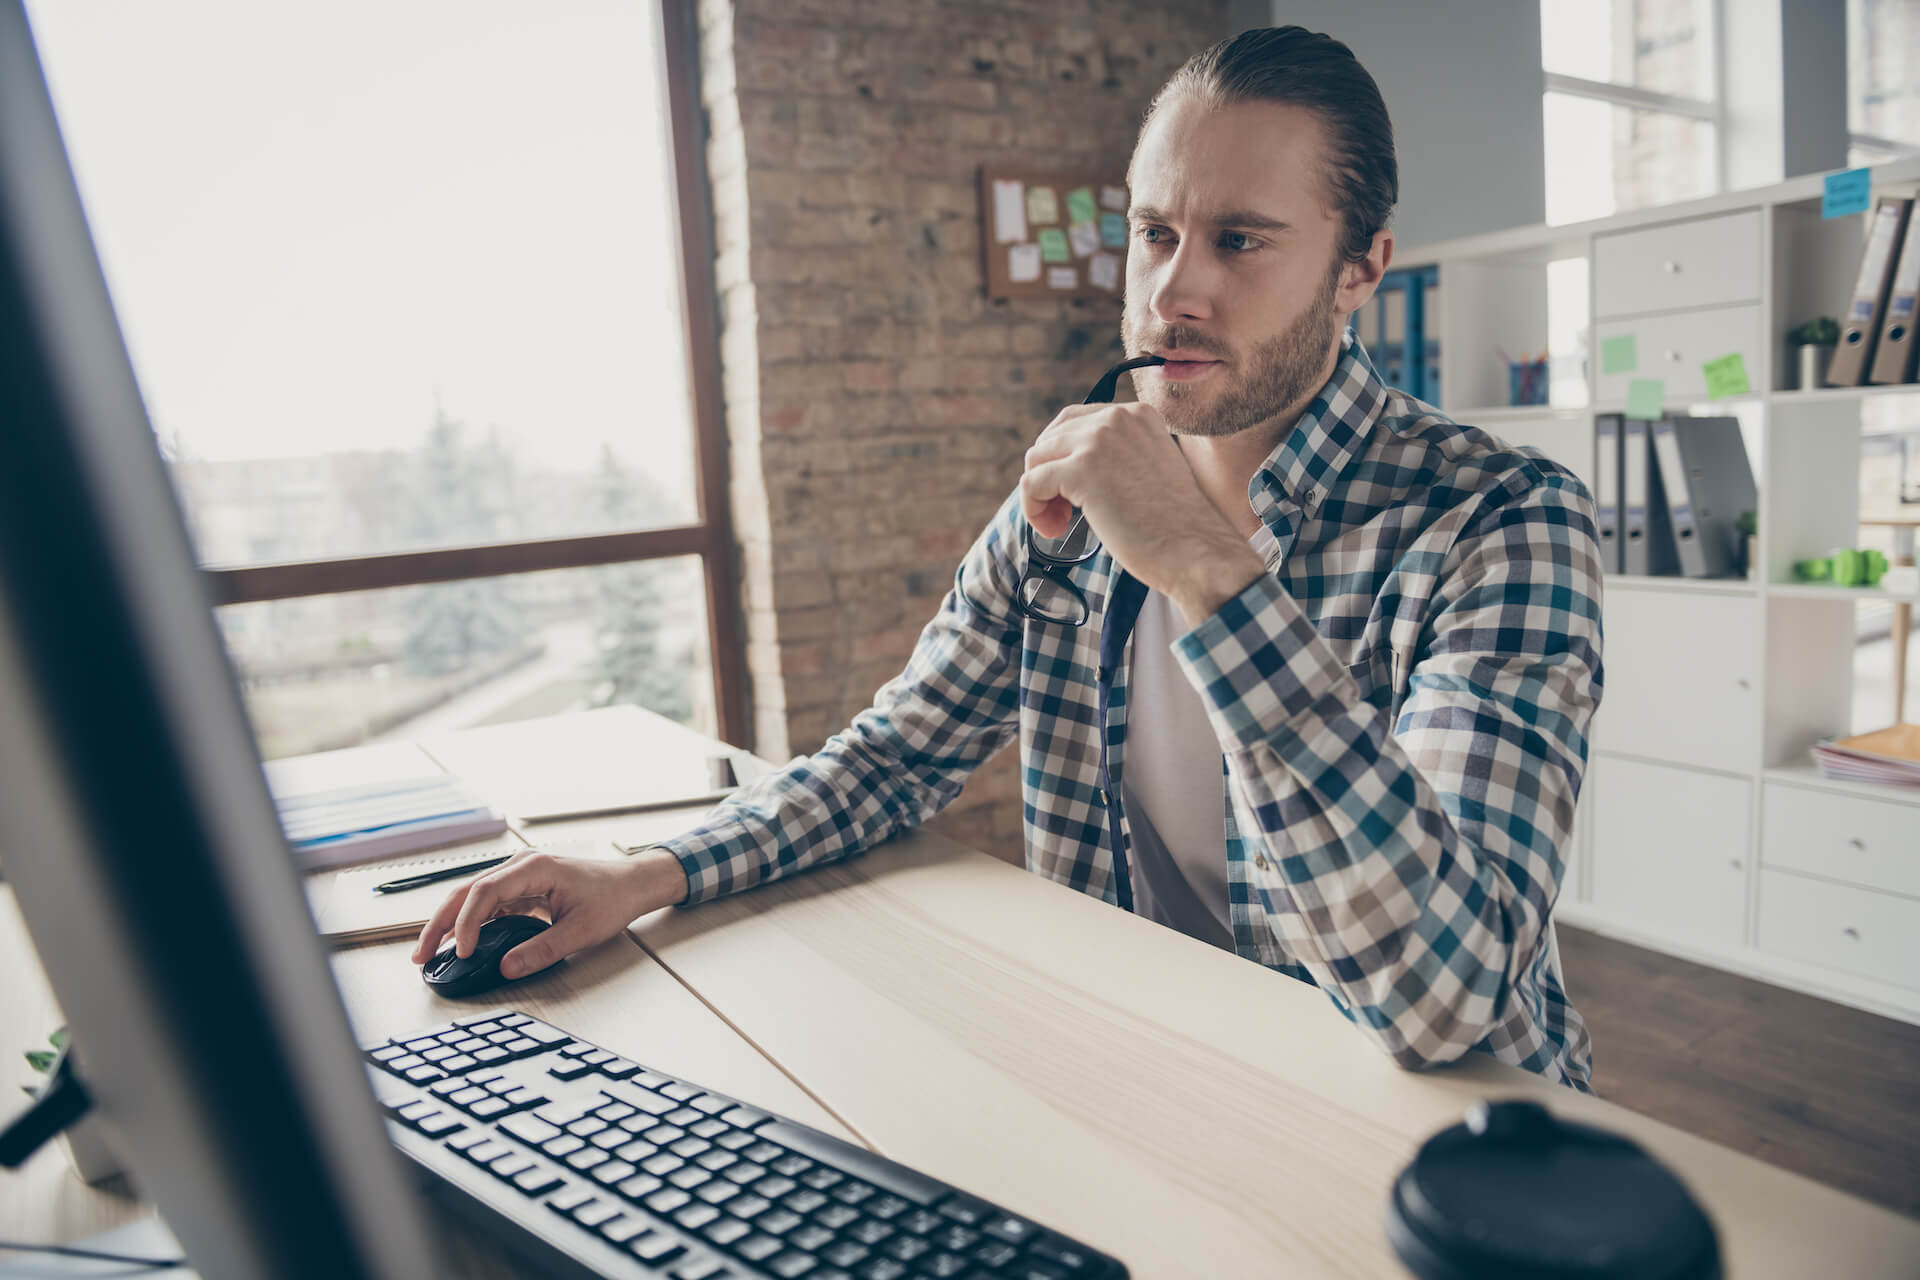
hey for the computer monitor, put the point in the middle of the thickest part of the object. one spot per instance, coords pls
(135, 823)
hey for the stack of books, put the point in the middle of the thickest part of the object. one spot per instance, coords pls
(1888, 756)
(339, 825)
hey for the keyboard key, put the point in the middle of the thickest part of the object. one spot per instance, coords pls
(710, 1128)
(387, 1053)
(613, 1171)
(810, 1237)
(700, 1269)
(594, 1212)
(691, 1176)
(689, 1147)
(679, 1092)
(836, 1216)
(440, 1053)
(906, 1248)
(487, 1152)
(460, 1062)
(415, 1110)
(564, 1145)
(734, 1139)
(662, 1164)
(570, 1199)
(711, 1104)
(637, 1150)
(778, 1222)
(619, 1068)
(919, 1222)
(748, 1206)
(715, 1160)
(869, 1232)
(587, 1157)
(422, 1044)
(773, 1186)
(662, 1134)
(616, 1111)
(683, 1116)
(640, 1184)
(943, 1265)
(524, 1097)
(764, 1152)
(757, 1248)
(656, 1248)
(727, 1230)
(804, 1200)
(852, 1192)
(424, 1072)
(596, 1056)
(622, 1229)
(791, 1164)
(512, 1019)
(586, 1126)
(440, 1125)
(1060, 1252)
(529, 1128)
(995, 1254)
(717, 1191)
(790, 1266)
(845, 1253)
(537, 1181)
(1030, 1270)
(492, 1054)
(608, 1139)
(574, 1050)
(743, 1172)
(967, 1210)
(745, 1117)
(472, 1138)
(468, 1096)
(569, 1070)
(822, 1178)
(541, 1033)
(1010, 1229)
(886, 1208)
(695, 1216)
(958, 1238)
(883, 1269)
(667, 1199)
(487, 1108)
(522, 1045)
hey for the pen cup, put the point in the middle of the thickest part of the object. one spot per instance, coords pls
(1527, 382)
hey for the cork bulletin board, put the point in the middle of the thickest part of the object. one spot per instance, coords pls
(1052, 235)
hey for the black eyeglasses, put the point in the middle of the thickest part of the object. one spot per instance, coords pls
(1046, 593)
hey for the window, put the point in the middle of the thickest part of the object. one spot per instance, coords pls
(1631, 112)
(1883, 79)
(403, 286)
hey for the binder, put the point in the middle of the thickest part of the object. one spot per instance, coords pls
(1606, 484)
(1707, 482)
(1634, 497)
(1861, 328)
(1893, 357)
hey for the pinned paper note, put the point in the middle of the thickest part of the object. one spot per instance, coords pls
(1103, 271)
(1042, 205)
(1085, 239)
(1023, 263)
(1845, 193)
(1646, 398)
(1053, 245)
(1726, 376)
(1080, 206)
(1062, 278)
(1619, 355)
(1113, 198)
(1113, 230)
(1009, 211)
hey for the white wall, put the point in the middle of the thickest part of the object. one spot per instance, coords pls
(1462, 82)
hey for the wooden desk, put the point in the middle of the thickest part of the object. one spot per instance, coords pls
(1185, 1110)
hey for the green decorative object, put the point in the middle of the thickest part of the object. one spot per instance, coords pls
(1822, 331)
(1847, 567)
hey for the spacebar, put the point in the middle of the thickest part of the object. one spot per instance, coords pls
(858, 1161)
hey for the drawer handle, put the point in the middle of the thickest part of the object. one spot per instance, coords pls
(1736, 864)
(1743, 683)
(1851, 932)
(1673, 357)
(1671, 267)
(1857, 845)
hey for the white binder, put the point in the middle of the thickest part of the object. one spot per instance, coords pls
(1606, 484)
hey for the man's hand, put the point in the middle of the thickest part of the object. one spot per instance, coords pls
(588, 899)
(1118, 464)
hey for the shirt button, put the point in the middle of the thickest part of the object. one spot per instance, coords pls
(1261, 862)
(1314, 495)
(1101, 792)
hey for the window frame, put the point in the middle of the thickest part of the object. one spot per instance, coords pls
(709, 536)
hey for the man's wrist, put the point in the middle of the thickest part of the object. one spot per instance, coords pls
(1217, 573)
(658, 878)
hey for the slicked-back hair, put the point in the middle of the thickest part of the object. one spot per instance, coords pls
(1307, 69)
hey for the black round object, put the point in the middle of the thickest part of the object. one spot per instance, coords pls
(1516, 1194)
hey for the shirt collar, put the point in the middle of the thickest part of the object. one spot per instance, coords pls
(1330, 435)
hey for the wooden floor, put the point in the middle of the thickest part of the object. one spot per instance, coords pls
(1815, 1087)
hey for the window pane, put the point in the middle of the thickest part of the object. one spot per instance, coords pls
(1883, 69)
(1604, 159)
(366, 666)
(1665, 46)
(393, 275)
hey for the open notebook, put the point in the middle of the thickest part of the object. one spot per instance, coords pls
(346, 909)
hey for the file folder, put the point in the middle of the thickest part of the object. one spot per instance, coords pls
(1634, 497)
(1606, 485)
(1707, 482)
(1861, 328)
(1893, 357)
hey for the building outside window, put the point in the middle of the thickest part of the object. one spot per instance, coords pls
(1883, 79)
(402, 285)
(1631, 110)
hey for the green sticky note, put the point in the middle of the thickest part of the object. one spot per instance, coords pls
(1646, 398)
(1618, 355)
(1080, 206)
(1726, 376)
(1053, 246)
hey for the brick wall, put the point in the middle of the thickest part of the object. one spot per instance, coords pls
(877, 404)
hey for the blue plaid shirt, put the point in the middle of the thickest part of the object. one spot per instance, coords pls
(1402, 703)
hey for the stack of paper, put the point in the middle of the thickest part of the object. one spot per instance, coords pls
(1890, 756)
(334, 826)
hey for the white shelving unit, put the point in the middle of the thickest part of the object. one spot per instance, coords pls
(1704, 831)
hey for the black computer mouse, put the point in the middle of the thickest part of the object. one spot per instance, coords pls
(449, 975)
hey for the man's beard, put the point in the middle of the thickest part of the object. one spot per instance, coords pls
(1281, 371)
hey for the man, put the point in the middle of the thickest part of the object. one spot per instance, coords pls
(1328, 707)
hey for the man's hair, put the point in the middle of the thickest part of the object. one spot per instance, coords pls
(1306, 69)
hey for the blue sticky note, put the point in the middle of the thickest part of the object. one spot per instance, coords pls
(1113, 230)
(1849, 192)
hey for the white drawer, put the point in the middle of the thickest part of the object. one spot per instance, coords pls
(1669, 849)
(1682, 264)
(1674, 348)
(1876, 935)
(1873, 843)
(1682, 678)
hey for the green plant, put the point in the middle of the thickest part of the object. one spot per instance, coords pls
(1748, 523)
(1823, 331)
(42, 1060)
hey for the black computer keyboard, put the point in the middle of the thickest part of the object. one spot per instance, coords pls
(597, 1166)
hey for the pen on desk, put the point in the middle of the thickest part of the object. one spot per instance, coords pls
(444, 873)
